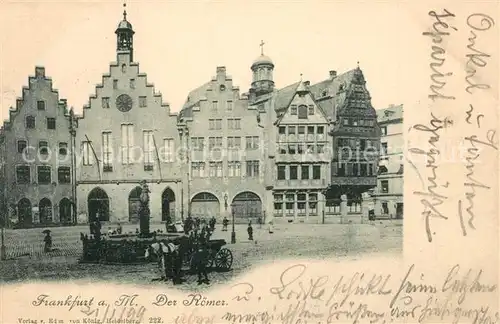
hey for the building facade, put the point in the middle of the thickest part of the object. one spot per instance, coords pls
(127, 135)
(224, 173)
(302, 153)
(388, 195)
(36, 157)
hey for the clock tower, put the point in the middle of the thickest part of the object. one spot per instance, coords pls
(125, 37)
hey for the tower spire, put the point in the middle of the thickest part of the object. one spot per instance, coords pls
(124, 10)
(262, 47)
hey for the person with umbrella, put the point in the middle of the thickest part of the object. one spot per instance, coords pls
(47, 240)
(250, 231)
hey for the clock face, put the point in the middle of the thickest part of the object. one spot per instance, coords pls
(124, 103)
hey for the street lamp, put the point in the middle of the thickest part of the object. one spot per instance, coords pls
(225, 201)
(3, 255)
(233, 233)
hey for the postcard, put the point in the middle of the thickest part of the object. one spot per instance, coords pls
(189, 162)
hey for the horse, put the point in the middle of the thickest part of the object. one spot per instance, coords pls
(165, 254)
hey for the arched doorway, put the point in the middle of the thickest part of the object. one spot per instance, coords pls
(65, 211)
(98, 202)
(168, 205)
(205, 205)
(134, 204)
(45, 208)
(247, 205)
(24, 212)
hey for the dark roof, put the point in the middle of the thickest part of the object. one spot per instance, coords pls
(193, 98)
(284, 96)
(390, 113)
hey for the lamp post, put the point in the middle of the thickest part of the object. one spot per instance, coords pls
(233, 233)
(2, 248)
(225, 201)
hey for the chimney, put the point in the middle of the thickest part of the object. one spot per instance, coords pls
(391, 105)
(221, 71)
(307, 83)
(40, 72)
(333, 74)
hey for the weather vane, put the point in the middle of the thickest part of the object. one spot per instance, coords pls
(262, 47)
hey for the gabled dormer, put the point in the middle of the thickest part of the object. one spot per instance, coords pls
(302, 108)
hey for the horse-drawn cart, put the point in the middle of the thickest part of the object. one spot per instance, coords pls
(131, 249)
(217, 256)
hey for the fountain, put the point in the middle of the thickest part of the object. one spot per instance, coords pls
(125, 248)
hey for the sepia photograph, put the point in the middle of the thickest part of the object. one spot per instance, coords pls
(249, 162)
(129, 187)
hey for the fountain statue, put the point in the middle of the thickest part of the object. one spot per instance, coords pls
(144, 212)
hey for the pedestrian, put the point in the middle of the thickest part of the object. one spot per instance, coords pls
(200, 261)
(212, 223)
(250, 231)
(48, 241)
(119, 229)
(271, 230)
(225, 222)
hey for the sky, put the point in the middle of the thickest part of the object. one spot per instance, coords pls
(179, 44)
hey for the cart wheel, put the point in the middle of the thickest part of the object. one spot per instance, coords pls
(209, 261)
(224, 259)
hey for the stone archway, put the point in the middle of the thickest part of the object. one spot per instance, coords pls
(205, 205)
(134, 203)
(24, 212)
(98, 203)
(247, 205)
(168, 205)
(65, 211)
(45, 208)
